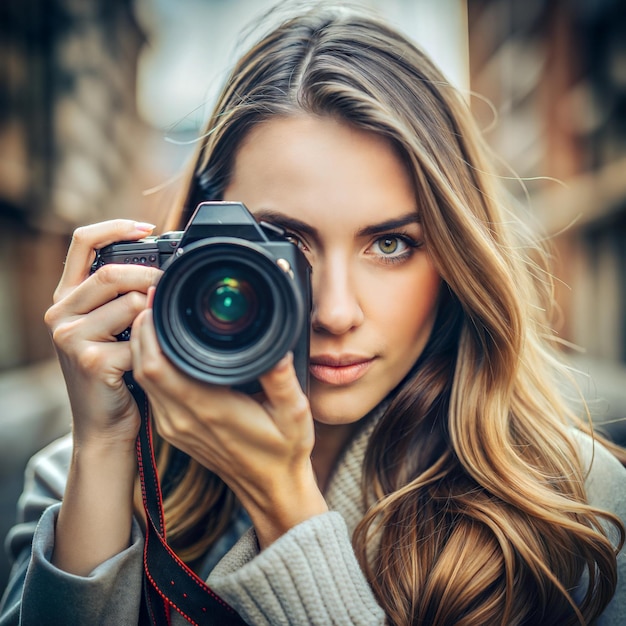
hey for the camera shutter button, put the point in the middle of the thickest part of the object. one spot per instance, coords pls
(285, 266)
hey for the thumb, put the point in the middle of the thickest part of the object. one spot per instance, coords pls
(285, 401)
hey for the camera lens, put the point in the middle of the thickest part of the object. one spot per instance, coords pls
(229, 305)
(223, 306)
(225, 312)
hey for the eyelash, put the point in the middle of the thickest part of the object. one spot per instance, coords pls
(411, 246)
(390, 259)
(294, 239)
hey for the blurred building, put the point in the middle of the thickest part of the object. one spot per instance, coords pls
(69, 144)
(555, 73)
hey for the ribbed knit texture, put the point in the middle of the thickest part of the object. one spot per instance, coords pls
(308, 576)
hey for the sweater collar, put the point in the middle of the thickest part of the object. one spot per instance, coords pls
(344, 493)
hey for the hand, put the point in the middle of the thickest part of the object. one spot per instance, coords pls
(260, 447)
(88, 312)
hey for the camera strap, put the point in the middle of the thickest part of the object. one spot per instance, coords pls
(168, 583)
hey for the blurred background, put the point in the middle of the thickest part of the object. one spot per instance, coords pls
(101, 101)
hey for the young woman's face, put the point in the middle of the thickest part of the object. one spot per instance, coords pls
(346, 200)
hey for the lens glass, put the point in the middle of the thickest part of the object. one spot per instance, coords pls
(225, 306)
(229, 305)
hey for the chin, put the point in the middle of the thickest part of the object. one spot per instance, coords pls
(335, 409)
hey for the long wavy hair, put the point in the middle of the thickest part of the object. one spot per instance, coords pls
(476, 507)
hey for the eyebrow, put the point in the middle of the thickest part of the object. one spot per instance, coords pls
(290, 223)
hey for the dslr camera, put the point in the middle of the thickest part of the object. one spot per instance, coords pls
(234, 298)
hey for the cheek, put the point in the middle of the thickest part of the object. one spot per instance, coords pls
(405, 305)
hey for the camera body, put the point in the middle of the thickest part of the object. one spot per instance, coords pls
(234, 297)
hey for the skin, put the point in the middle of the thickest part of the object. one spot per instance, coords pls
(346, 200)
(83, 321)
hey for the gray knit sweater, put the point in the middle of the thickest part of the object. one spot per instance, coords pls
(308, 576)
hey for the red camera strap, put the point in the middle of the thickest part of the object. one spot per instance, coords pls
(168, 583)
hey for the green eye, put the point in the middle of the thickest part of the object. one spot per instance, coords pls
(388, 245)
(394, 247)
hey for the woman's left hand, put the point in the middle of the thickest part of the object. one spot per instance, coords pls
(260, 448)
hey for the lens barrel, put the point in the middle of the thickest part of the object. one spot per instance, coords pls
(225, 312)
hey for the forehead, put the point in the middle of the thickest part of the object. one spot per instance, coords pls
(317, 168)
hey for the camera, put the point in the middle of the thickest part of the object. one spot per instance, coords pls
(234, 297)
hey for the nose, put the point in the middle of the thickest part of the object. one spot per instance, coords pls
(336, 305)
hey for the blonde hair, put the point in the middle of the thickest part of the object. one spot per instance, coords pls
(477, 507)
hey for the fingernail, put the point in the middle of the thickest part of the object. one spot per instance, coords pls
(150, 297)
(285, 362)
(144, 227)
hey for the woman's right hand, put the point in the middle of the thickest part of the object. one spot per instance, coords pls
(89, 310)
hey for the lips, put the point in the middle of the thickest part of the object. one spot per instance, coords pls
(339, 370)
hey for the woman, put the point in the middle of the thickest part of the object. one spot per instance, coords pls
(433, 475)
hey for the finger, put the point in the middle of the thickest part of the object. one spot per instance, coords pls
(143, 343)
(109, 320)
(104, 361)
(159, 378)
(150, 363)
(109, 282)
(87, 239)
(286, 402)
(150, 298)
(156, 373)
(147, 357)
